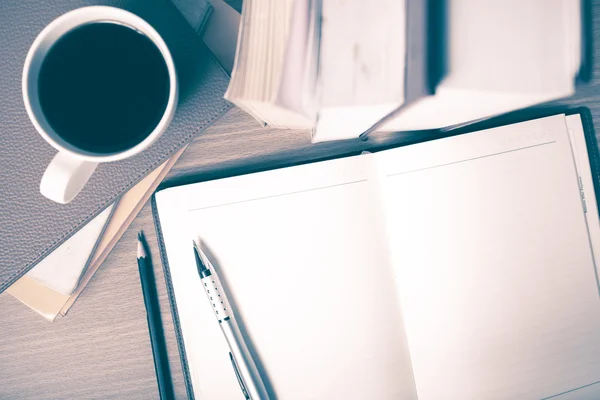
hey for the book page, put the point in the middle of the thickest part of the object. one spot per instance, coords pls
(63, 267)
(493, 264)
(581, 157)
(302, 252)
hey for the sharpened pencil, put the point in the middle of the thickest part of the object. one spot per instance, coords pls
(157, 337)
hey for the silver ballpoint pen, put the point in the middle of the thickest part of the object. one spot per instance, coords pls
(244, 367)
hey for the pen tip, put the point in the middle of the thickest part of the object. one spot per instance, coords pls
(198, 254)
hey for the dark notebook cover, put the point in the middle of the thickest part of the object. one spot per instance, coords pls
(31, 226)
(594, 160)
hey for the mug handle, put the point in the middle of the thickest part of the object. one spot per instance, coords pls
(65, 177)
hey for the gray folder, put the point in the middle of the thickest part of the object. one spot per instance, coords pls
(31, 226)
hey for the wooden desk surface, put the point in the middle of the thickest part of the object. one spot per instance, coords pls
(101, 350)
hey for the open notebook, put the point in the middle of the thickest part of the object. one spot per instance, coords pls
(461, 268)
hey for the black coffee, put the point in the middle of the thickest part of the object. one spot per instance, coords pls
(103, 87)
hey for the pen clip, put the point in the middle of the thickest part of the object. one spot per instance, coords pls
(239, 378)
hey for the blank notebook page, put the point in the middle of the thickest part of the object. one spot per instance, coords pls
(493, 264)
(303, 252)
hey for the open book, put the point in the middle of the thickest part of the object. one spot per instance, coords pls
(461, 268)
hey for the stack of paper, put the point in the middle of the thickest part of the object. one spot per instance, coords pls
(51, 288)
(260, 64)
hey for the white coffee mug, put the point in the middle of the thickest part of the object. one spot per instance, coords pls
(71, 168)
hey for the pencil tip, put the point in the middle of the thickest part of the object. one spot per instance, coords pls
(141, 252)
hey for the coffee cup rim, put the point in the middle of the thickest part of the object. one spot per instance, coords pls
(60, 26)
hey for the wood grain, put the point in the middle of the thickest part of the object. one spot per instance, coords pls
(101, 349)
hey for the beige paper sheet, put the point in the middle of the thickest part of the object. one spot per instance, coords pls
(39, 297)
(50, 303)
